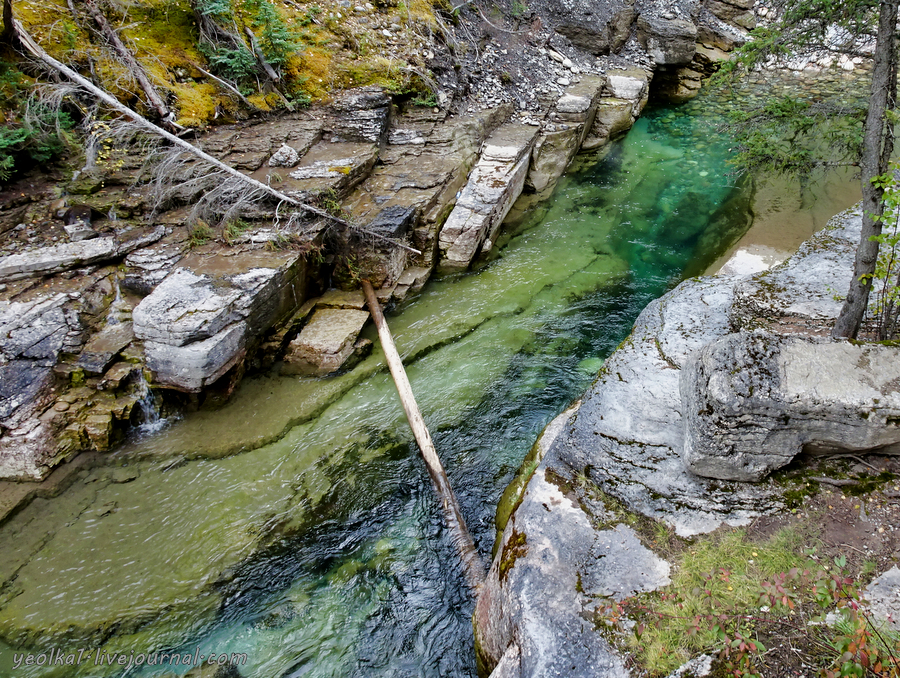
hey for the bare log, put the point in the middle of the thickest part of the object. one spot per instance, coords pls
(41, 55)
(110, 35)
(452, 513)
(260, 57)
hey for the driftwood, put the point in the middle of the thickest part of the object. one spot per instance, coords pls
(140, 75)
(452, 513)
(28, 43)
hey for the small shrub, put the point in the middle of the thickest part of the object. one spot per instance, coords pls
(199, 235)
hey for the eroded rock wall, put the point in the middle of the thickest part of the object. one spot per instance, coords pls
(721, 380)
(437, 179)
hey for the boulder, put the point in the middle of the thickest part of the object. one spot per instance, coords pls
(752, 401)
(882, 598)
(732, 13)
(614, 118)
(325, 343)
(669, 42)
(196, 324)
(285, 156)
(598, 27)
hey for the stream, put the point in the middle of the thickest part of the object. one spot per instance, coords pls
(297, 525)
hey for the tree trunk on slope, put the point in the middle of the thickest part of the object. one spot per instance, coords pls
(877, 146)
(107, 31)
(38, 52)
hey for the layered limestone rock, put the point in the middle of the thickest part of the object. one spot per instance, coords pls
(563, 137)
(668, 41)
(197, 324)
(32, 335)
(628, 436)
(326, 342)
(66, 256)
(423, 168)
(493, 186)
(628, 91)
(752, 401)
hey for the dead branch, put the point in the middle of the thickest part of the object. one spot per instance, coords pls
(260, 57)
(140, 75)
(145, 125)
(228, 86)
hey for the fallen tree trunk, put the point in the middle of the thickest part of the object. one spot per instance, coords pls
(132, 64)
(41, 55)
(474, 568)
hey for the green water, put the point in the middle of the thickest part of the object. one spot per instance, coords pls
(298, 525)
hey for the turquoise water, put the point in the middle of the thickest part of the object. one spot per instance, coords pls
(297, 525)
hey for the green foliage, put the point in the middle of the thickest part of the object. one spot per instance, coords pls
(275, 39)
(310, 15)
(519, 8)
(220, 10)
(234, 64)
(793, 135)
(429, 99)
(233, 230)
(199, 235)
(789, 134)
(886, 279)
(32, 132)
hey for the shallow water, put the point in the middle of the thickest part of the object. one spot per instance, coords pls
(297, 525)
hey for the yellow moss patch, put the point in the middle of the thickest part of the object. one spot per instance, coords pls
(422, 10)
(315, 72)
(259, 100)
(196, 103)
(380, 71)
(51, 24)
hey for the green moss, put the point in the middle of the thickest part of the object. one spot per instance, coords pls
(515, 548)
(512, 495)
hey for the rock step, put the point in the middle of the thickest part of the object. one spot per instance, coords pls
(197, 323)
(492, 188)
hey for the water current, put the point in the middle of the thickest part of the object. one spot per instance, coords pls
(297, 525)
